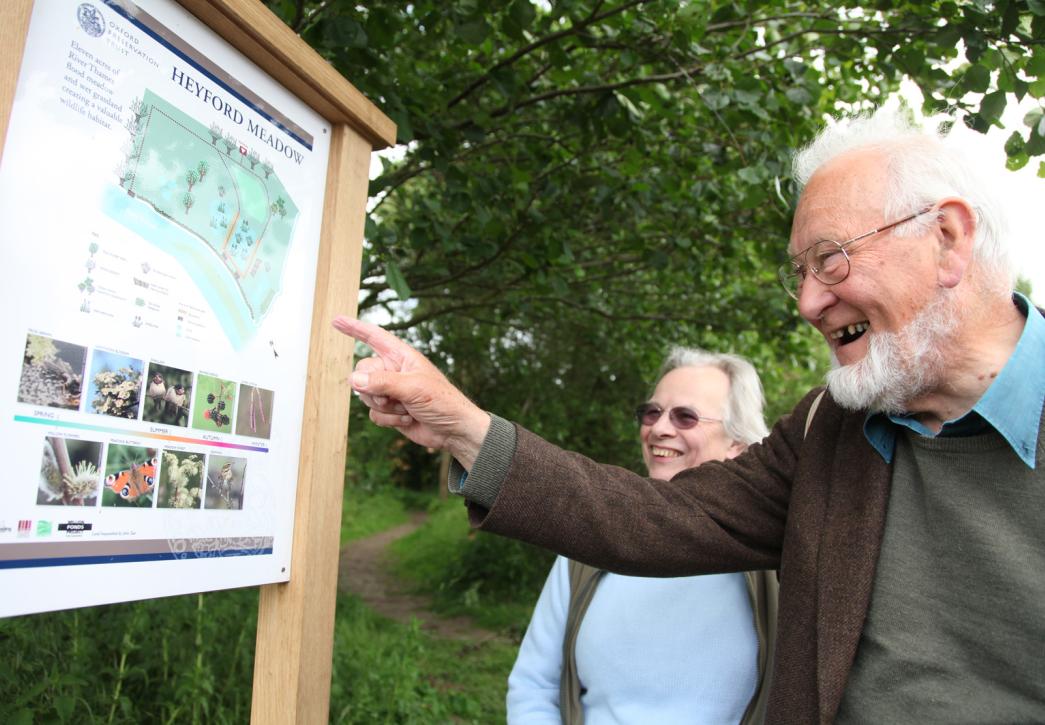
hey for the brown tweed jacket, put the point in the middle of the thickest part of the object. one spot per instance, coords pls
(811, 505)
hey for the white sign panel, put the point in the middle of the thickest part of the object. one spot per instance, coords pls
(162, 202)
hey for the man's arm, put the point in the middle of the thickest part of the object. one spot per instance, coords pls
(719, 517)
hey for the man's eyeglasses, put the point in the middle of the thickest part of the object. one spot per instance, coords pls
(681, 417)
(828, 260)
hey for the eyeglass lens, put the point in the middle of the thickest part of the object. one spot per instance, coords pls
(681, 418)
(826, 260)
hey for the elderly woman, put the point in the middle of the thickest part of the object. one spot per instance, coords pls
(607, 648)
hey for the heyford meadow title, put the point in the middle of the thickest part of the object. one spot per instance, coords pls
(232, 113)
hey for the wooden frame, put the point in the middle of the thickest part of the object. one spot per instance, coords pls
(292, 665)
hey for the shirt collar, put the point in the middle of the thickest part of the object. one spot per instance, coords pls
(1012, 404)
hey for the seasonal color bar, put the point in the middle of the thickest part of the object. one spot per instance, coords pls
(138, 434)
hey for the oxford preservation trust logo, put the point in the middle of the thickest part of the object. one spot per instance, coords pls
(90, 19)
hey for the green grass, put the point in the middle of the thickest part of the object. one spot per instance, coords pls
(385, 672)
(174, 660)
(365, 513)
(493, 580)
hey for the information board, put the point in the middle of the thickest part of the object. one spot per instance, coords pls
(162, 200)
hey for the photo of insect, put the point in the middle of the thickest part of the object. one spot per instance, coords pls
(131, 476)
(52, 373)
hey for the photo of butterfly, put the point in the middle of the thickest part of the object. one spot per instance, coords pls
(133, 482)
(131, 476)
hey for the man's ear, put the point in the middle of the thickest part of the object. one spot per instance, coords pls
(956, 225)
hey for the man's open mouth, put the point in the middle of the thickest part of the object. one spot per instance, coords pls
(848, 334)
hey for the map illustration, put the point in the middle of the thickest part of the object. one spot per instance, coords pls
(218, 199)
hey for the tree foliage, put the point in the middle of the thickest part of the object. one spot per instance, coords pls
(585, 182)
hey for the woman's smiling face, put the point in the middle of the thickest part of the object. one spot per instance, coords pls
(666, 449)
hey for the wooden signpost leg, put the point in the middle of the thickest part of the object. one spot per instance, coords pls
(292, 664)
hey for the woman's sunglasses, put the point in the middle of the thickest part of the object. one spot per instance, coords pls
(680, 417)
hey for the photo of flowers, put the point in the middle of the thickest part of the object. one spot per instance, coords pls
(115, 384)
(181, 480)
(70, 472)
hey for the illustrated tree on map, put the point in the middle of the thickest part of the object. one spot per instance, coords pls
(187, 201)
(191, 177)
(280, 207)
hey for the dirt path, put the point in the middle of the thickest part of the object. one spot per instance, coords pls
(363, 571)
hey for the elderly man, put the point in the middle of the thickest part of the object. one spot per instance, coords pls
(904, 508)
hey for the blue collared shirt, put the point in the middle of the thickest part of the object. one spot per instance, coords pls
(1012, 404)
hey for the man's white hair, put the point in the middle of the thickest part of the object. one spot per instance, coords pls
(922, 167)
(743, 420)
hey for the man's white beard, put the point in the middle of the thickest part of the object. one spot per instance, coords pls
(899, 366)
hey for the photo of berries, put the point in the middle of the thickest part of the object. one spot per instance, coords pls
(214, 404)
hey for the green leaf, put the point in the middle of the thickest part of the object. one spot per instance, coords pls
(522, 13)
(473, 32)
(396, 280)
(992, 106)
(1015, 144)
(1036, 6)
(1036, 63)
(1041, 170)
(1017, 162)
(64, 706)
(976, 79)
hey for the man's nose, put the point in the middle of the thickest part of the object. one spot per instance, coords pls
(813, 298)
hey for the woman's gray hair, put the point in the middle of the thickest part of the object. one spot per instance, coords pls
(922, 167)
(743, 419)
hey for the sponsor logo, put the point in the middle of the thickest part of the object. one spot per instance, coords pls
(4, 528)
(75, 527)
(90, 20)
(25, 527)
(43, 528)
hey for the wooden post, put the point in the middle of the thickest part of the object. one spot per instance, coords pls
(295, 620)
(292, 662)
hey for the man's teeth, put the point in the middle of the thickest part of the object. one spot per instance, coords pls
(851, 330)
(664, 452)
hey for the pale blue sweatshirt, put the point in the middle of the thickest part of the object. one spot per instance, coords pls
(649, 650)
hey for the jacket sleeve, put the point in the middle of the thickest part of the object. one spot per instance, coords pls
(533, 685)
(719, 517)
